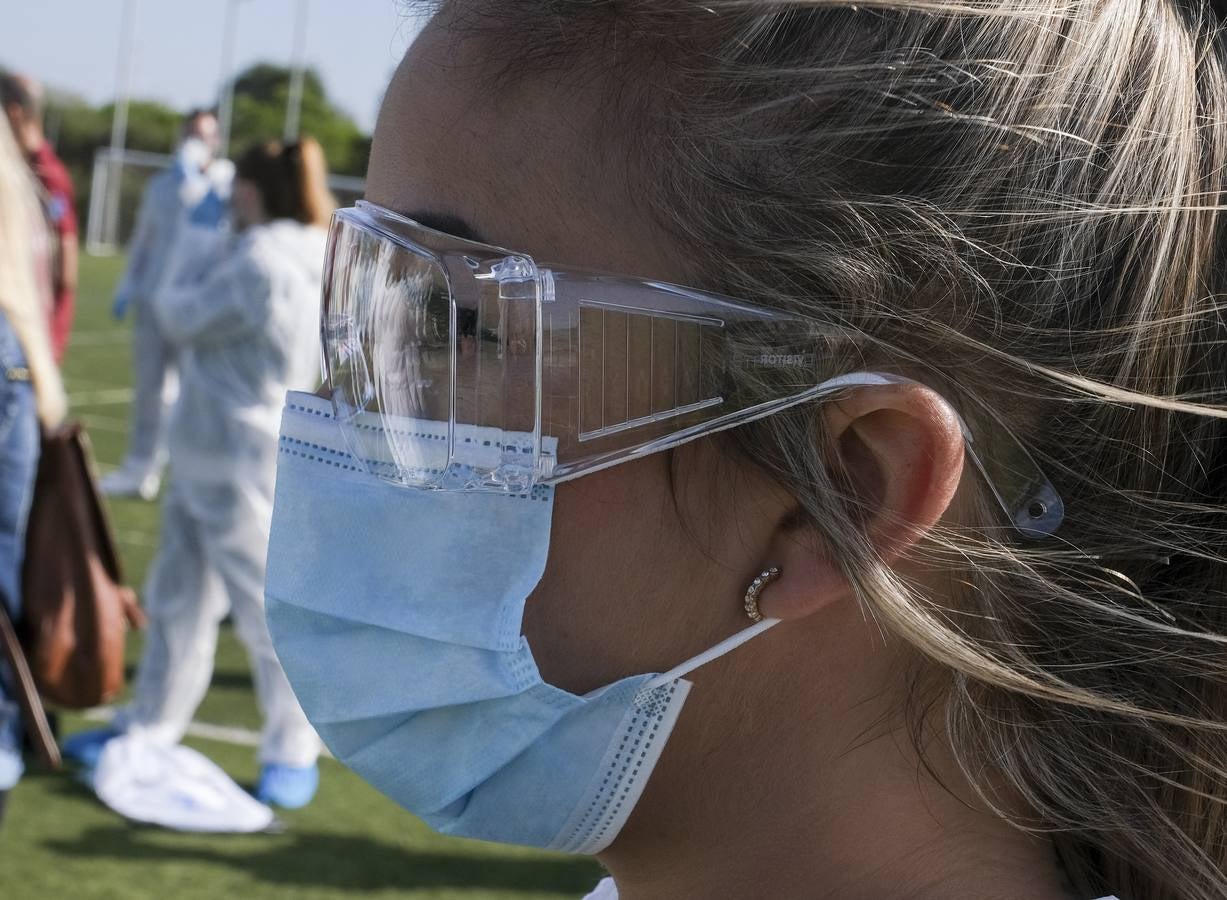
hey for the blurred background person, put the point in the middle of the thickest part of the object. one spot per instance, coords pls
(244, 326)
(191, 192)
(30, 393)
(22, 99)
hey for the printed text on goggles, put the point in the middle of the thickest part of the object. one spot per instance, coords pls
(462, 366)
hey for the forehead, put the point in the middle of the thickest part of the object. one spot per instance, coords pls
(528, 163)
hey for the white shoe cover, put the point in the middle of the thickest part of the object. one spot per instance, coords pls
(174, 787)
(127, 482)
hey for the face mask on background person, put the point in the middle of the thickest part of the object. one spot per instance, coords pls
(193, 155)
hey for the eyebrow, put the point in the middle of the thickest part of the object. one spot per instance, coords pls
(448, 224)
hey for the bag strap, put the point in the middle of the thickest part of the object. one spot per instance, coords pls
(77, 443)
(109, 547)
(33, 714)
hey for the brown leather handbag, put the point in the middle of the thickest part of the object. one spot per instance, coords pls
(76, 609)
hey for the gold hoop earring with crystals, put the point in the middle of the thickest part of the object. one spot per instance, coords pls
(755, 590)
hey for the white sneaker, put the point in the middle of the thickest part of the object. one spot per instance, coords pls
(127, 482)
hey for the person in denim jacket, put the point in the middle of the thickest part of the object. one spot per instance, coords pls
(31, 394)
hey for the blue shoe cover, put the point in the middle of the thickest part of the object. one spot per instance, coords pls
(85, 747)
(289, 787)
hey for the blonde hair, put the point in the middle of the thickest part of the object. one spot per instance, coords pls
(22, 301)
(1019, 203)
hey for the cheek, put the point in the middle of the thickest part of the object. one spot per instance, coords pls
(609, 550)
(633, 578)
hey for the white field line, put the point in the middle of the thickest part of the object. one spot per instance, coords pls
(115, 396)
(141, 539)
(226, 734)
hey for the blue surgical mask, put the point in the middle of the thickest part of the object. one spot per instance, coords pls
(396, 614)
(193, 156)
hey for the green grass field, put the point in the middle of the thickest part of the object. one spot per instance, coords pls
(58, 841)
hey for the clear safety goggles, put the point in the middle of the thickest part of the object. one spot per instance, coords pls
(458, 365)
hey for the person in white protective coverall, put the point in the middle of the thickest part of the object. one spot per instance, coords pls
(193, 192)
(244, 326)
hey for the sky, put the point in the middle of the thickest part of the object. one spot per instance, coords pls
(73, 45)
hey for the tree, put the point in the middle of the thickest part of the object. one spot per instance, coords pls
(79, 130)
(270, 84)
(261, 96)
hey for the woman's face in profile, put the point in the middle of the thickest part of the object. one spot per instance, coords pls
(637, 551)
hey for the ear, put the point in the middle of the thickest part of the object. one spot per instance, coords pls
(902, 446)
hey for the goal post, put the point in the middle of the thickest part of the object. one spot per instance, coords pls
(119, 181)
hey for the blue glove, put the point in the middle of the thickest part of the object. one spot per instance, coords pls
(119, 308)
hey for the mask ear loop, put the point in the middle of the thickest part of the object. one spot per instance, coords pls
(1038, 518)
(753, 592)
(725, 646)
